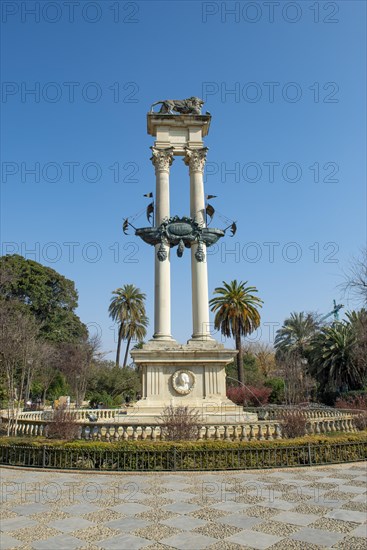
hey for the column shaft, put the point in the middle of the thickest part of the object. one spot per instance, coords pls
(162, 159)
(195, 158)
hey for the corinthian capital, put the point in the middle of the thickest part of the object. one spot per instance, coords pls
(195, 158)
(162, 158)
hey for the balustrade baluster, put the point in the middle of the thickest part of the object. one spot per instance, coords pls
(260, 434)
(108, 433)
(277, 434)
(226, 434)
(268, 434)
(251, 434)
(243, 436)
(116, 434)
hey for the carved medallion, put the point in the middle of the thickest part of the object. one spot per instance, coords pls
(183, 381)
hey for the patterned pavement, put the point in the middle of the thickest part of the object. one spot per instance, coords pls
(322, 507)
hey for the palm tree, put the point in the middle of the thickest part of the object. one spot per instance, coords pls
(135, 329)
(331, 357)
(296, 334)
(127, 308)
(358, 321)
(236, 314)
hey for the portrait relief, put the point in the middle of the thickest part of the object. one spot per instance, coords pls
(183, 381)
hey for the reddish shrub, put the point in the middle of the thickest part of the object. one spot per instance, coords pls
(179, 423)
(249, 396)
(356, 402)
(62, 426)
(293, 424)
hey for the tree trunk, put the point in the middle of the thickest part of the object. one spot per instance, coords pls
(126, 352)
(119, 338)
(240, 373)
(28, 383)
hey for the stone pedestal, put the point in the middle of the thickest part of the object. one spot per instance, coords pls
(190, 375)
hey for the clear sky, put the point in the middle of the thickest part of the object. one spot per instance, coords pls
(285, 84)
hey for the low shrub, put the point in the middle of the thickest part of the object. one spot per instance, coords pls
(179, 423)
(249, 396)
(62, 426)
(293, 424)
(352, 402)
(360, 421)
(148, 445)
(355, 401)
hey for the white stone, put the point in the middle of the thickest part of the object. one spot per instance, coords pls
(193, 374)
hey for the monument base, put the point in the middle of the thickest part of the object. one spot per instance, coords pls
(191, 375)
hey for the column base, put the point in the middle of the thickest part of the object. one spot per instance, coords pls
(162, 337)
(201, 338)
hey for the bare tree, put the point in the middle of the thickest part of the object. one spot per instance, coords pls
(47, 366)
(76, 365)
(355, 284)
(298, 384)
(265, 357)
(18, 345)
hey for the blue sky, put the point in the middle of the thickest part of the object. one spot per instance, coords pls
(285, 86)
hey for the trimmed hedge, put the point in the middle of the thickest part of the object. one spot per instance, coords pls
(168, 456)
(335, 437)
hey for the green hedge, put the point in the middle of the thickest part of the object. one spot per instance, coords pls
(207, 455)
(335, 437)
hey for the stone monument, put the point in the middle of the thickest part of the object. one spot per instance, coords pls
(175, 374)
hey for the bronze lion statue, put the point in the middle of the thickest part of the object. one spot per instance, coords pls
(190, 106)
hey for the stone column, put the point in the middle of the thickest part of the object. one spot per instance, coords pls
(162, 160)
(195, 159)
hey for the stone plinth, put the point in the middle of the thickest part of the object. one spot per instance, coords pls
(190, 375)
(178, 131)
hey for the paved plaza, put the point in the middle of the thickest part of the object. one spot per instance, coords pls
(307, 508)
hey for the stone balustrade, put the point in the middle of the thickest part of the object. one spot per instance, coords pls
(261, 430)
(263, 413)
(76, 414)
(277, 413)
